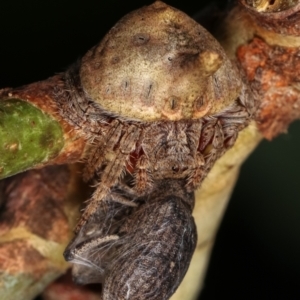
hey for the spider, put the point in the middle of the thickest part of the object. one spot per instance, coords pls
(157, 107)
(154, 104)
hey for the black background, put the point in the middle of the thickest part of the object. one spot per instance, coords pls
(257, 251)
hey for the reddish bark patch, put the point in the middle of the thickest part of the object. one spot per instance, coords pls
(278, 16)
(18, 257)
(274, 73)
(65, 289)
(35, 200)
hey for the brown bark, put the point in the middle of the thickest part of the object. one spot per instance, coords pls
(39, 209)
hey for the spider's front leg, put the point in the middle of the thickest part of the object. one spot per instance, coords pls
(115, 156)
(100, 144)
(142, 176)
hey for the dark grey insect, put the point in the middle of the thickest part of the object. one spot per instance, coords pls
(141, 251)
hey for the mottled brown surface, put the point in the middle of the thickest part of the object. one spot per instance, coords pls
(65, 289)
(34, 200)
(36, 221)
(19, 257)
(158, 64)
(280, 16)
(274, 73)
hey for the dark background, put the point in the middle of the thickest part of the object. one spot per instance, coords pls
(257, 251)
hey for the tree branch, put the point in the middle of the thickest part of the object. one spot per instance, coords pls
(250, 41)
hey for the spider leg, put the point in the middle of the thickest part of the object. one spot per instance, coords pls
(116, 161)
(142, 178)
(218, 139)
(89, 169)
(104, 143)
(207, 134)
(212, 151)
(122, 200)
(126, 190)
(197, 175)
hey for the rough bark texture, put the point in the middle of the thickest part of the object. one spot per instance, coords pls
(37, 218)
(65, 289)
(274, 71)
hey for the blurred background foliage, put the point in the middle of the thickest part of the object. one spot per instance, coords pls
(257, 250)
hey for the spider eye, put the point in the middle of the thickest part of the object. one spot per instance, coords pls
(175, 169)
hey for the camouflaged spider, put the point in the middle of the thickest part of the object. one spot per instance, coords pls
(158, 100)
(154, 103)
